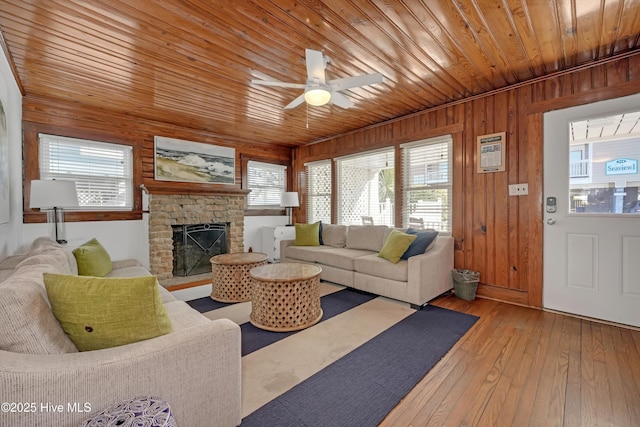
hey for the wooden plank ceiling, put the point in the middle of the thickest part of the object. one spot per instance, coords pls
(190, 62)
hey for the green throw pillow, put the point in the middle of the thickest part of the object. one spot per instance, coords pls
(396, 245)
(103, 312)
(308, 234)
(92, 259)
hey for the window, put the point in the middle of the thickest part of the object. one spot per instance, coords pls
(579, 161)
(267, 182)
(319, 191)
(426, 197)
(365, 185)
(103, 172)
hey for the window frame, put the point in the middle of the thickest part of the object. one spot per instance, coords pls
(263, 211)
(389, 153)
(79, 174)
(31, 171)
(437, 184)
(310, 196)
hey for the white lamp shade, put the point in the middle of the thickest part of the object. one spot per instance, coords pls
(289, 199)
(53, 193)
(317, 97)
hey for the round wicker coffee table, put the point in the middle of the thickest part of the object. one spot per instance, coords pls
(230, 275)
(286, 296)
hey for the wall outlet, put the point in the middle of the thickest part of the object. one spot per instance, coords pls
(519, 189)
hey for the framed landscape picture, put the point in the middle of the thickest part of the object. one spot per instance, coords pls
(187, 161)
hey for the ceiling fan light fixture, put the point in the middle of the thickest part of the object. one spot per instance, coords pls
(317, 96)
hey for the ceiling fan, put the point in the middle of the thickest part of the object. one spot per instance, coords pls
(318, 91)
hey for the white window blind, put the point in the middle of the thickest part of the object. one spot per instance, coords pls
(103, 172)
(319, 191)
(365, 186)
(426, 198)
(267, 182)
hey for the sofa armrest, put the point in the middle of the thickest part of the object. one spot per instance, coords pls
(196, 370)
(429, 274)
(284, 244)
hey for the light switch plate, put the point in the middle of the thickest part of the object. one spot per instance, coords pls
(519, 189)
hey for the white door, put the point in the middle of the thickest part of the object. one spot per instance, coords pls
(592, 240)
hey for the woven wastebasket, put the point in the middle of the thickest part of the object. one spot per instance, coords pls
(465, 283)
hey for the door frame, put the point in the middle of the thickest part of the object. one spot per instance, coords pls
(566, 115)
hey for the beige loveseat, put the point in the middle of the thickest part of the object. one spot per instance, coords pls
(196, 368)
(349, 256)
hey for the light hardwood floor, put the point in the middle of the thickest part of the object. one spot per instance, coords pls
(519, 366)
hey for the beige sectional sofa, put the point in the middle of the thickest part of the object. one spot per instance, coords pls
(196, 368)
(349, 256)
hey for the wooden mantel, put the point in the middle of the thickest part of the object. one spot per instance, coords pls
(157, 187)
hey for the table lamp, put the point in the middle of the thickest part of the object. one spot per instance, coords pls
(289, 200)
(53, 196)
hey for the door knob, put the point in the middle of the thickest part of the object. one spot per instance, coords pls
(551, 221)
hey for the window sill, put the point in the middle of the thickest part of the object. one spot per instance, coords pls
(264, 212)
(34, 217)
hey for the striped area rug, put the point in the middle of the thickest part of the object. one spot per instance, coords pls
(350, 369)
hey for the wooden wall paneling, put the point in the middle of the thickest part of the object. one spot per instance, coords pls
(514, 135)
(467, 188)
(500, 241)
(617, 72)
(479, 192)
(398, 186)
(598, 77)
(634, 67)
(581, 81)
(525, 150)
(534, 230)
(489, 233)
(458, 200)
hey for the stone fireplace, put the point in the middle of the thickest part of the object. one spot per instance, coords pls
(167, 210)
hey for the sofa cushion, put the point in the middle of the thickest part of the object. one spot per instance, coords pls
(308, 234)
(339, 257)
(133, 271)
(367, 237)
(396, 245)
(423, 241)
(99, 312)
(92, 259)
(304, 253)
(5, 274)
(28, 325)
(10, 263)
(334, 235)
(373, 265)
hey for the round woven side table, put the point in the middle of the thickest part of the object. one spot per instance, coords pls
(286, 296)
(230, 275)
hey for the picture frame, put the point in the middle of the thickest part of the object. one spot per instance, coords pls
(188, 161)
(5, 202)
(491, 153)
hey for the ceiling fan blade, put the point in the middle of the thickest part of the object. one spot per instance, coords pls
(293, 104)
(340, 100)
(278, 84)
(315, 65)
(357, 81)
